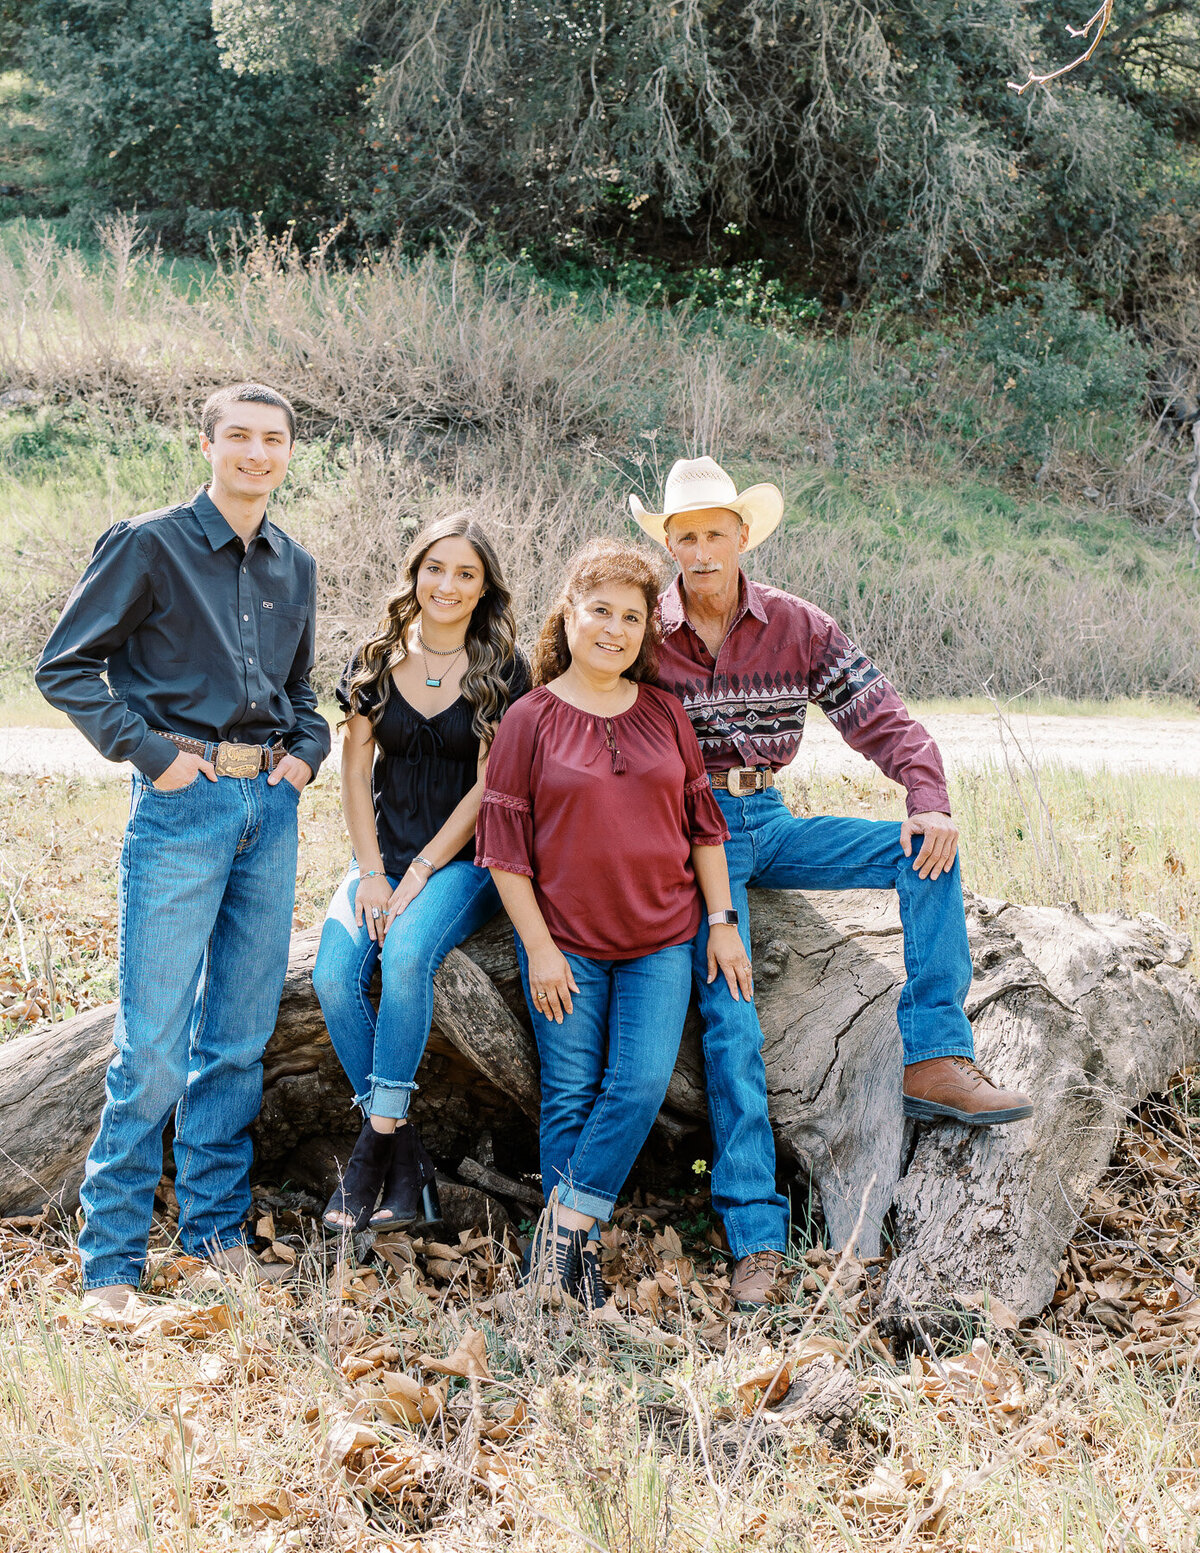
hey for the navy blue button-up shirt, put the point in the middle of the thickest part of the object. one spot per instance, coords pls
(197, 634)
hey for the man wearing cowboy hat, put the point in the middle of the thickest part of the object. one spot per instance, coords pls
(745, 660)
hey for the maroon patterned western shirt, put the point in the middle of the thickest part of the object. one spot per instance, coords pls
(748, 706)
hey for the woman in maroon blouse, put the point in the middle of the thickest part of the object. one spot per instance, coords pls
(602, 834)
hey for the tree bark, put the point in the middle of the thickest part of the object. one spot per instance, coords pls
(1087, 1014)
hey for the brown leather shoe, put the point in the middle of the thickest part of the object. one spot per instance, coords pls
(954, 1087)
(754, 1278)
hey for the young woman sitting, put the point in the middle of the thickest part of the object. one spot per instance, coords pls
(422, 699)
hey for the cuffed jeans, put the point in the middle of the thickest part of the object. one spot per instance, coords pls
(381, 1052)
(605, 1070)
(770, 848)
(207, 884)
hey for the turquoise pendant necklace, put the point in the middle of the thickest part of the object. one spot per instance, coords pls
(438, 652)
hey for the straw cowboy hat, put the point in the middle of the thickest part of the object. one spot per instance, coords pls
(696, 484)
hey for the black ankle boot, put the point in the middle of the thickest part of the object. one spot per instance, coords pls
(364, 1175)
(410, 1192)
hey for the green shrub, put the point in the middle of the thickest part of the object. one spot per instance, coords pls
(1056, 359)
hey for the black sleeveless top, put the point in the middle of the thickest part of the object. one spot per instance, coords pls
(424, 766)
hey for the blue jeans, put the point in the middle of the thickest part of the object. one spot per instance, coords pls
(207, 882)
(381, 1052)
(771, 849)
(605, 1070)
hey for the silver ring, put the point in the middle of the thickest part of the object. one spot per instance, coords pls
(375, 912)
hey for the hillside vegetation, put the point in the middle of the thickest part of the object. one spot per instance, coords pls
(432, 382)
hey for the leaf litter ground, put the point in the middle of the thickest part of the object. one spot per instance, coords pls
(415, 1398)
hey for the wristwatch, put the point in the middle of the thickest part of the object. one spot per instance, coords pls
(715, 918)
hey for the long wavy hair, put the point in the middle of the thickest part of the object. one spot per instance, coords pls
(491, 631)
(598, 563)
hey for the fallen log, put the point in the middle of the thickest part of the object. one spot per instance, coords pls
(1088, 1014)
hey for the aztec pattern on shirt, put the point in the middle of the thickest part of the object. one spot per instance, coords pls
(748, 707)
(848, 687)
(752, 712)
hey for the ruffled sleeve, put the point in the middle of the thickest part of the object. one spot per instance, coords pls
(504, 829)
(702, 817)
(366, 698)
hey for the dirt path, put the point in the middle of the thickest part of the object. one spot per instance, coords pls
(965, 739)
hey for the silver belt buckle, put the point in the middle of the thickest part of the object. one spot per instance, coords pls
(734, 780)
(238, 760)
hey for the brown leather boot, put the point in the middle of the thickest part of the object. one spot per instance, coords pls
(754, 1278)
(954, 1087)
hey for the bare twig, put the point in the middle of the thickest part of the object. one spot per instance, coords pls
(1103, 16)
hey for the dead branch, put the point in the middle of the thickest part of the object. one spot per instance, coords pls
(1103, 16)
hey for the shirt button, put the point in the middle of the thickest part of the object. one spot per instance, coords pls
(243, 568)
(249, 660)
(253, 705)
(245, 617)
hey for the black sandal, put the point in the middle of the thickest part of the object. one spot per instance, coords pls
(593, 1292)
(410, 1191)
(366, 1170)
(554, 1257)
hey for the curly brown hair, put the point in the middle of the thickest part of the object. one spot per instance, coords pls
(599, 562)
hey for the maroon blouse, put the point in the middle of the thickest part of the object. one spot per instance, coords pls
(601, 813)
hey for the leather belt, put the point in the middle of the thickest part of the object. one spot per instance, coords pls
(741, 781)
(229, 759)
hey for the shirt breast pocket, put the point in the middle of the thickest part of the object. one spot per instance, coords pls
(283, 626)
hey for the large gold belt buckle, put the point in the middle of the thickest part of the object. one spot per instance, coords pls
(238, 760)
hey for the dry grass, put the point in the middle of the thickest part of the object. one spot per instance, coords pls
(298, 1420)
(433, 384)
(292, 1420)
(1041, 836)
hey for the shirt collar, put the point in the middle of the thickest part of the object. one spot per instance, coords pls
(216, 526)
(751, 599)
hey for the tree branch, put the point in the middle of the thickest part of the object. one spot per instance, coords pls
(1102, 17)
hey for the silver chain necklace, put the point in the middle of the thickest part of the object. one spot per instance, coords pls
(438, 652)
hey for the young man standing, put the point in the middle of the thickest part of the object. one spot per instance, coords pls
(202, 618)
(745, 660)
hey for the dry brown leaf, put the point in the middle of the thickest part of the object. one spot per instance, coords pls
(265, 1228)
(649, 1295)
(768, 1386)
(816, 1347)
(504, 1428)
(397, 1253)
(282, 1252)
(999, 1313)
(468, 1360)
(885, 1490)
(441, 1252)
(346, 1443)
(417, 1404)
(262, 1506)
(667, 1245)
